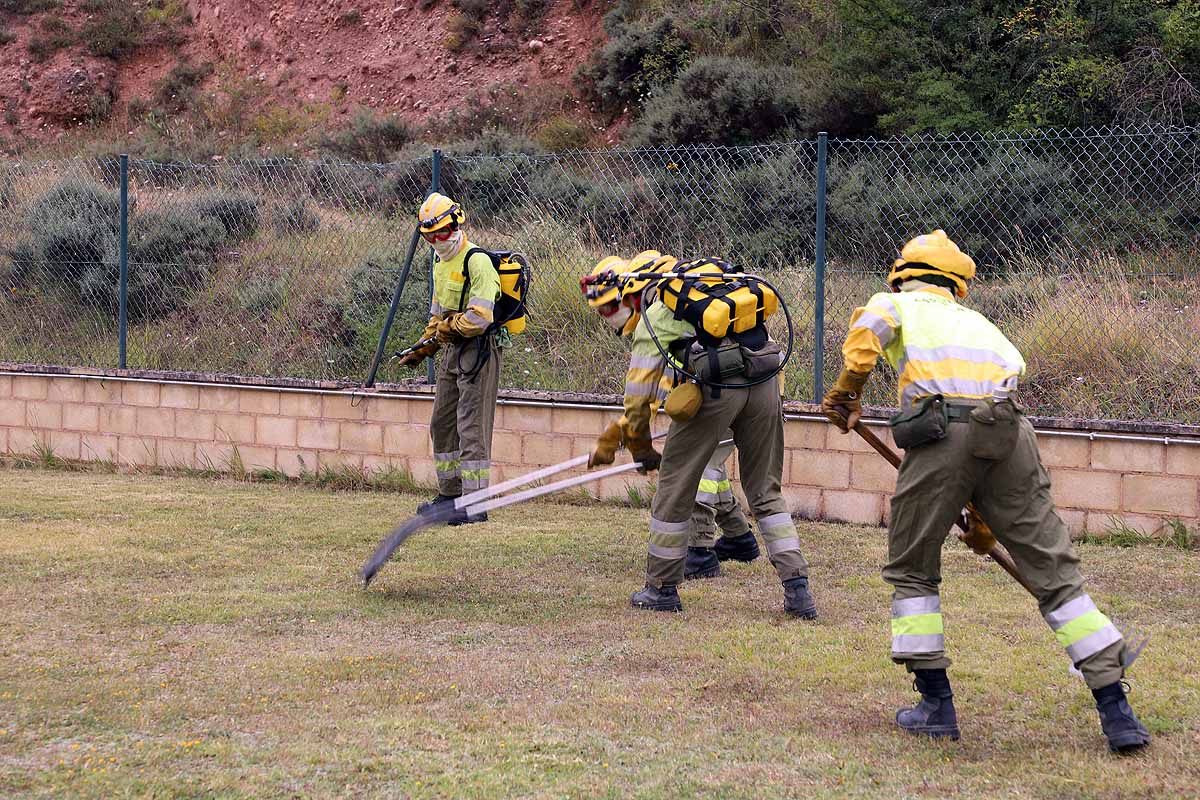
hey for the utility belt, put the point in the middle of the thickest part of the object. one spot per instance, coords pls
(730, 361)
(993, 424)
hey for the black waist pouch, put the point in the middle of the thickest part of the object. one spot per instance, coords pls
(925, 422)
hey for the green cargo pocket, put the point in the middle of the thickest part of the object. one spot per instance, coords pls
(925, 422)
(993, 431)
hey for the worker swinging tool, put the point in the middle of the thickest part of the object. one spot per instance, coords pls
(702, 324)
(966, 439)
(478, 304)
(715, 504)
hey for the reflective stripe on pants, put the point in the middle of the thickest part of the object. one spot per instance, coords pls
(917, 626)
(1081, 628)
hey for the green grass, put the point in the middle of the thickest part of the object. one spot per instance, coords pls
(184, 637)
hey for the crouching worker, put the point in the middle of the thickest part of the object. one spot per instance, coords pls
(740, 396)
(715, 504)
(966, 439)
(466, 286)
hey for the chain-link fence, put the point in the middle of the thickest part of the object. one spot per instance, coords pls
(1086, 241)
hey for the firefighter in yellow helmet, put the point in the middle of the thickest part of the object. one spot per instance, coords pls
(967, 439)
(754, 414)
(715, 503)
(466, 287)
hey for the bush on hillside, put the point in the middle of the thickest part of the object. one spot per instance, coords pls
(116, 31)
(237, 212)
(294, 216)
(723, 101)
(634, 63)
(368, 138)
(74, 229)
(73, 245)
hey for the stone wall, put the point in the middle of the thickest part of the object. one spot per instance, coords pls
(294, 428)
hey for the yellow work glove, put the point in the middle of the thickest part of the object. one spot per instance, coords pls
(979, 536)
(843, 403)
(641, 447)
(605, 451)
(446, 332)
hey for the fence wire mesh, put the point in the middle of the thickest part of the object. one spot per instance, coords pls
(1086, 243)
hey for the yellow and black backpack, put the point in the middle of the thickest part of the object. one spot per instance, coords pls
(717, 306)
(513, 268)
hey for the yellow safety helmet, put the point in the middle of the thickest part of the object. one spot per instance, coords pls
(437, 212)
(645, 261)
(933, 254)
(602, 293)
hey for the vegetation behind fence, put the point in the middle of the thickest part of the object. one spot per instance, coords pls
(1086, 243)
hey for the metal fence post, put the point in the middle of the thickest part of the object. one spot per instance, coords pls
(435, 187)
(123, 288)
(819, 284)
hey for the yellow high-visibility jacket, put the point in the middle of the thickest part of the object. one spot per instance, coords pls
(935, 345)
(450, 289)
(648, 380)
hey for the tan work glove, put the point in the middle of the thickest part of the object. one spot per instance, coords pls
(418, 355)
(843, 403)
(979, 536)
(446, 332)
(605, 451)
(642, 449)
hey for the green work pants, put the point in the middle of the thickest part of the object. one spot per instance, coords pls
(755, 416)
(1011, 490)
(715, 503)
(464, 410)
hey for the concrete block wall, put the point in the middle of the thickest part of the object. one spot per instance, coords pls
(292, 429)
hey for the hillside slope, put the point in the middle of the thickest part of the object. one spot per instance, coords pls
(409, 57)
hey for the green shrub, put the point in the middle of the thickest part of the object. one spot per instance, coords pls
(294, 216)
(73, 231)
(55, 35)
(236, 212)
(26, 7)
(368, 138)
(171, 251)
(176, 92)
(565, 133)
(634, 62)
(722, 101)
(117, 30)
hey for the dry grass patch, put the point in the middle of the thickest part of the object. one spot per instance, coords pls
(167, 636)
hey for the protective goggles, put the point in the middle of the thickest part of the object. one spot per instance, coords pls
(596, 286)
(441, 235)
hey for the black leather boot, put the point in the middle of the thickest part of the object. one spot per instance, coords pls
(797, 601)
(437, 500)
(1124, 731)
(934, 716)
(701, 563)
(653, 598)
(742, 548)
(461, 517)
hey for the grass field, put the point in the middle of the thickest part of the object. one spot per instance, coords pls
(181, 637)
